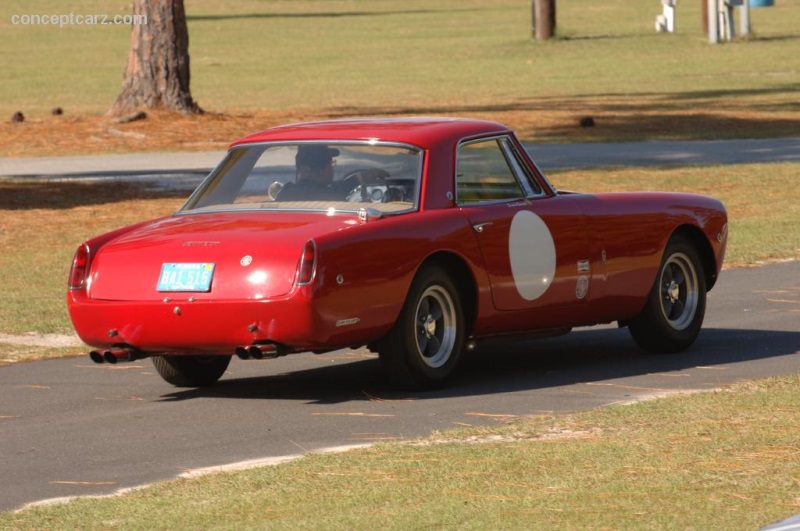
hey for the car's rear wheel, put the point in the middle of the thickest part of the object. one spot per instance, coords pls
(191, 371)
(671, 320)
(425, 344)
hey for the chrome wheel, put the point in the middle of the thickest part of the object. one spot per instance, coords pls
(436, 327)
(671, 319)
(679, 291)
(424, 346)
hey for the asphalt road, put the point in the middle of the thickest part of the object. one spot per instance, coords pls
(189, 167)
(70, 427)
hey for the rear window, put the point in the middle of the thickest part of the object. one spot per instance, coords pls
(313, 176)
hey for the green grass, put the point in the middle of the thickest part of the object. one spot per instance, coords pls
(702, 461)
(466, 55)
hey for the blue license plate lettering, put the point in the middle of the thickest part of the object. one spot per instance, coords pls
(185, 277)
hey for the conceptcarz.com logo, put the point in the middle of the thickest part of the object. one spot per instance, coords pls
(72, 19)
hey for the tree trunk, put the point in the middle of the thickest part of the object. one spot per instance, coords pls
(544, 19)
(157, 75)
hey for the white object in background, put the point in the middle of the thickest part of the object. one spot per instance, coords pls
(666, 21)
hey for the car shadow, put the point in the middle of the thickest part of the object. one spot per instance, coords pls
(503, 367)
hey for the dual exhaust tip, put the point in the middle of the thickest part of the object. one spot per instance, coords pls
(258, 352)
(116, 355)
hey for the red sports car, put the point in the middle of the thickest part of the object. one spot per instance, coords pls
(415, 237)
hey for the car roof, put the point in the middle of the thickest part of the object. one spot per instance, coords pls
(422, 132)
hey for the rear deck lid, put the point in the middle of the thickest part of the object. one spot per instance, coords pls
(221, 256)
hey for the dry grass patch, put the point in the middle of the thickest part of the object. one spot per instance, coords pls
(547, 119)
(14, 352)
(41, 224)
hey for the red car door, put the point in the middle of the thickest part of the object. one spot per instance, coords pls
(534, 244)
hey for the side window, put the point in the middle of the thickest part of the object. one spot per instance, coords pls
(483, 173)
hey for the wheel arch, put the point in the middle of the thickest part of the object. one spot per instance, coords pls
(457, 266)
(704, 249)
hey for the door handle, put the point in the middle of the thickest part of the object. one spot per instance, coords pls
(478, 227)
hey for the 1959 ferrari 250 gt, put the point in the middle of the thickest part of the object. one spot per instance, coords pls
(415, 237)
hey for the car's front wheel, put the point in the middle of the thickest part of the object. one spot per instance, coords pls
(191, 371)
(425, 344)
(673, 315)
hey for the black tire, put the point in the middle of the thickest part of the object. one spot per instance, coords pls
(676, 306)
(191, 371)
(423, 348)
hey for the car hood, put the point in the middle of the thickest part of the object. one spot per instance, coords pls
(253, 255)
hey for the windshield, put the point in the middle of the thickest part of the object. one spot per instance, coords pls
(313, 176)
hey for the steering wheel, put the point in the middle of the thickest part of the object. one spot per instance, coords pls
(359, 179)
(365, 176)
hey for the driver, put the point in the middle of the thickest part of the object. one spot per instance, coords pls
(314, 176)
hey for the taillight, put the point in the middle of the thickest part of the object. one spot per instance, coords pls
(80, 267)
(308, 263)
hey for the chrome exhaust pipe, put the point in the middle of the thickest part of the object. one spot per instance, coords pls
(96, 356)
(258, 352)
(116, 355)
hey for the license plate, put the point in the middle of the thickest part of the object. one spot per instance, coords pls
(185, 277)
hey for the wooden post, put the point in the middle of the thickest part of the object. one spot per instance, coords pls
(705, 16)
(544, 19)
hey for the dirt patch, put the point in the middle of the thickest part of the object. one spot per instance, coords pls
(540, 120)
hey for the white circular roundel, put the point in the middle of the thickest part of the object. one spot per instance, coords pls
(532, 253)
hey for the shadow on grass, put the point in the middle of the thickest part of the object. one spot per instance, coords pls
(321, 14)
(655, 126)
(502, 367)
(775, 38)
(640, 102)
(691, 115)
(736, 93)
(62, 195)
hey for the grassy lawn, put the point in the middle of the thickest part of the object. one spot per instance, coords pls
(256, 64)
(444, 55)
(701, 461)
